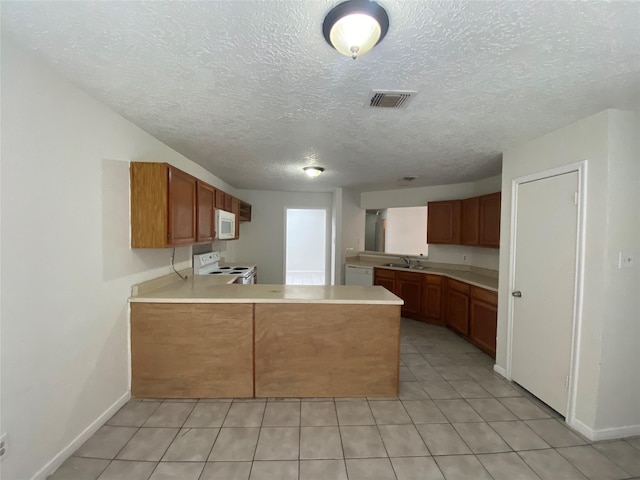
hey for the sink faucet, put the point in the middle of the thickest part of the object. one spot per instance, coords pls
(407, 260)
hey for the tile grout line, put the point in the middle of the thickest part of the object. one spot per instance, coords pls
(128, 441)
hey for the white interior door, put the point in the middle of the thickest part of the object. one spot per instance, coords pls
(306, 246)
(545, 267)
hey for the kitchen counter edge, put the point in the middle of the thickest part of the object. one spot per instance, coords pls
(472, 278)
(201, 289)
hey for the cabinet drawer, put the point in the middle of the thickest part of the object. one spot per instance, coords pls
(433, 279)
(410, 277)
(458, 286)
(486, 296)
(384, 273)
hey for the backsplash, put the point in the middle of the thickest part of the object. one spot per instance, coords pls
(488, 258)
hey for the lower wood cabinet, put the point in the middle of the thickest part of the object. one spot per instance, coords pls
(409, 285)
(385, 278)
(467, 310)
(483, 319)
(458, 306)
(473, 313)
(432, 299)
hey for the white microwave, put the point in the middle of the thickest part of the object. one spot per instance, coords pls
(225, 225)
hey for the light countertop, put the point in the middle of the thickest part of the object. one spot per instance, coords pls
(211, 289)
(469, 276)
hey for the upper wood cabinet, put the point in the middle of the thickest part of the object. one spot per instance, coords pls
(235, 209)
(219, 199)
(472, 221)
(470, 224)
(163, 206)
(205, 212)
(182, 208)
(245, 212)
(171, 208)
(490, 220)
(443, 222)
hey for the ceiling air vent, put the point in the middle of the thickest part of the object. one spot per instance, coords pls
(405, 181)
(390, 98)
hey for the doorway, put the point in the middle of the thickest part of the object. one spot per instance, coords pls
(306, 245)
(546, 285)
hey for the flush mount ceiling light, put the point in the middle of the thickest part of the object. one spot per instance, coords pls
(313, 171)
(355, 27)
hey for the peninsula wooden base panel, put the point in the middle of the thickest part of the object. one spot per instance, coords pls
(304, 350)
(191, 350)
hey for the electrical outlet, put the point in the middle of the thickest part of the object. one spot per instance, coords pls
(3, 446)
(625, 260)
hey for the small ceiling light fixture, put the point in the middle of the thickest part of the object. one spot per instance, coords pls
(356, 26)
(313, 172)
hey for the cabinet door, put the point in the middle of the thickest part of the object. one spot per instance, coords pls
(235, 208)
(410, 290)
(490, 220)
(483, 319)
(206, 225)
(386, 279)
(458, 311)
(386, 283)
(470, 224)
(219, 199)
(182, 208)
(443, 222)
(482, 328)
(228, 199)
(432, 301)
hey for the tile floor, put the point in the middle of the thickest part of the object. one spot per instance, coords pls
(454, 419)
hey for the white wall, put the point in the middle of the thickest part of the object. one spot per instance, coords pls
(262, 240)
(608, 141)
(353, 227)
(619, 391)
(406, 230)
(67, 268)
(412, 197)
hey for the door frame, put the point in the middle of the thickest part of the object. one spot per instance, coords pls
(574, 367)
(328, 245)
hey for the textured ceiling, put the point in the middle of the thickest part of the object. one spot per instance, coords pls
(251, 91)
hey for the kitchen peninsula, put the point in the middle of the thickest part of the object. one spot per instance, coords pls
(202, 338)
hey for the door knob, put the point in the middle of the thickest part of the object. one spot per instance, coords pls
(516, 293)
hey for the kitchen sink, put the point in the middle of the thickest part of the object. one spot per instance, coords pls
(404, 265)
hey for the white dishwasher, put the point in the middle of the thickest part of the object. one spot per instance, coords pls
(358, 275)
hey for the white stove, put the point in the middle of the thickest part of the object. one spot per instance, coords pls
(207, 264)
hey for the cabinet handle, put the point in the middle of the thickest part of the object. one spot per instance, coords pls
(516, 293)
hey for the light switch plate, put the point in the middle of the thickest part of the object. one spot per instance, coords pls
(625, 260)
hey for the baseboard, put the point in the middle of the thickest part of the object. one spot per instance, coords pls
(499, 370)
(605, 433)
(53, 464)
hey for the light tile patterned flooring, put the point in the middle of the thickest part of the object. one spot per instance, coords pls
(454, 419)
